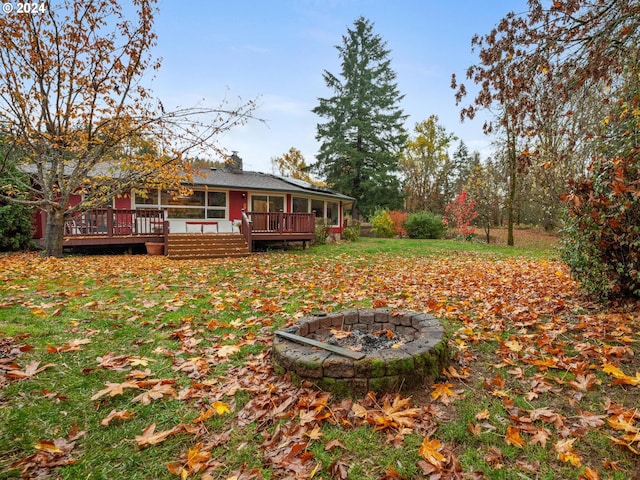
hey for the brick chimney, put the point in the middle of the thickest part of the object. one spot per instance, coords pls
(234, 163)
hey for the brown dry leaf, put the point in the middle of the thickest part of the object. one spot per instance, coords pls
(114, 362)
(583, 383)
(114, 389)
(333, 444)
(116, 415)
(225, 351)
(150, 437)
(397, 414)
(158, 391)
(494, 457)
(340, 334)
(315, 433)
(33, 368)
(70, 346)
(483, 415)
(540, 436)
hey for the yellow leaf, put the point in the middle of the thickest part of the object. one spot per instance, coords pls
(441, 389)
(430, 451)
(47, 446)
(220, 407)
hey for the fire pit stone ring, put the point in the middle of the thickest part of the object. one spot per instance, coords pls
(416, 358)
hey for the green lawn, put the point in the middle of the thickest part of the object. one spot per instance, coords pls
(96, 350)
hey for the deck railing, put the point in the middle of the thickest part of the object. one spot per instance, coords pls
(112, 222)
(280, 222)
(253, 224)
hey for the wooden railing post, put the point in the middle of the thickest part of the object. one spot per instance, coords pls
(246, 229)
(109, 221)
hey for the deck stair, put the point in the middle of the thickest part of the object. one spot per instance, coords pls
(186, 246)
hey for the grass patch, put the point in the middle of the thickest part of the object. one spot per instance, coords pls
(192, 338)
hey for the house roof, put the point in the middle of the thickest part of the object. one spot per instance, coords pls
(248, 180)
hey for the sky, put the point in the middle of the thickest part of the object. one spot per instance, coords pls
(276, 51)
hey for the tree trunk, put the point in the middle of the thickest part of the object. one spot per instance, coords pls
(513, 171)
(510, 209)
(54, 233)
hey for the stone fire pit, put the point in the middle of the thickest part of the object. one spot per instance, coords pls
(416, 358)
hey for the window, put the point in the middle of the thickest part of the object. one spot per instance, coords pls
(217, 205)
(300, 205)
(266, 203)
(328, 210)
(333, 212)
(151, 198)
(318, 207)
(198, 205)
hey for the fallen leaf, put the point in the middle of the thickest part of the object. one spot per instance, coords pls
(430, 451)
(150, 437)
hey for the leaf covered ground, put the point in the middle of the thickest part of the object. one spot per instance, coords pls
(143, 367)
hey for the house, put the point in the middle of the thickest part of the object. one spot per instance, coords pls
(272, 207)
(220, 195)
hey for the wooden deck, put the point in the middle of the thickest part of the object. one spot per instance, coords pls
(278, 227)
(111, 227)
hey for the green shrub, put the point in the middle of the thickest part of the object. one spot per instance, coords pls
(352, 232)
(16, 227)
(382, 224)
(424, 225)
(323, 230)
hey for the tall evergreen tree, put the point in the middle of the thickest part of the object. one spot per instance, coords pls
(363, 136)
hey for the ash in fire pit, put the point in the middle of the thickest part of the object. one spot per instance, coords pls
(359, 341)
(357, 351)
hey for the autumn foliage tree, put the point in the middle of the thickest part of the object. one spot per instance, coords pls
(551, 53)
(293, 164)
(460, 213)
(427, 168)
(602, 241)
(76, 117)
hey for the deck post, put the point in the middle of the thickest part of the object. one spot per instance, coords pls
(246, 229)
(109, 221)
(165, 230)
